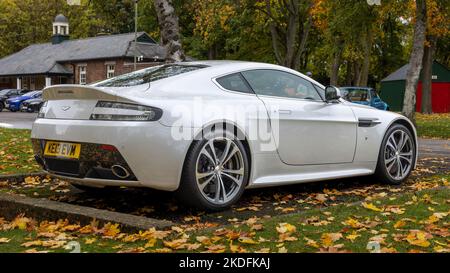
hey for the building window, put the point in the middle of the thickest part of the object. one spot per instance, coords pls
(82, 70)
(110, 71)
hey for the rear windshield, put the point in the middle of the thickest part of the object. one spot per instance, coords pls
(148, 75)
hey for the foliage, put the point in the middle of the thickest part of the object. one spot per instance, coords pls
(16, 154)
(404, 223)
(434, 126)
(360, 44)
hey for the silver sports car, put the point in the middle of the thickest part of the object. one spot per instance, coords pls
(210, 130)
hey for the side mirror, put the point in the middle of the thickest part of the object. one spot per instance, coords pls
(332, 93)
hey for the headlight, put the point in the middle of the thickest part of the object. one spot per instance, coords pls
(117, 111)
(43, 110)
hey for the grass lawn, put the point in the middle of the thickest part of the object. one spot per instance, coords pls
(415, 222)
(16, 154)
(434, 126)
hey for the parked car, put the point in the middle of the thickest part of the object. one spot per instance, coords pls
(364, 95)
(32, 105)
(209, 130)
(15, 104)
(9, 93)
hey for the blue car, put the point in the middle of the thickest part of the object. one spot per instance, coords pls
(15, 104)
(364, 95)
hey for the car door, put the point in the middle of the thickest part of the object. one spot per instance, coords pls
(308, 131)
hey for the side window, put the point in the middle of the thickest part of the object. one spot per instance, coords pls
(280, 84)
(235, 82)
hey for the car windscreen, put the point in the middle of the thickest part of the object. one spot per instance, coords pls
(355, 95)
(4, 92)
(32, 93)
(148, 75)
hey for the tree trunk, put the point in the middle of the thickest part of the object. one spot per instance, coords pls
(170, 30)
(415, 63)
(427, 81)
(357, 71)
(349, 74)
(334, 75)
(364, 76)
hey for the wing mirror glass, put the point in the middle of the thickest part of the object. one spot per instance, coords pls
(332, 93)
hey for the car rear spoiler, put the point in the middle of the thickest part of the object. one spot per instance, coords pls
(77, 92)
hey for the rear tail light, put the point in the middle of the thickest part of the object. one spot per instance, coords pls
(118, 111)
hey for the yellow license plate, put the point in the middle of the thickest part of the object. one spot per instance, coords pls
(62, 149)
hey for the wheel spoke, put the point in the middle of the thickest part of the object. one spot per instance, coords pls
(230, 155)
(390, 160)
(399, 169)
(238, 172)
(389, 168)
(409, 160)
(208, 155)
(206, 183)
(225, 152)
(401, 141)
(235, 180)
(391, 143)
(213, 150)
(203, 175)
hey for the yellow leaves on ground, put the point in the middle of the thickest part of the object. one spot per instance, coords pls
(111, 230)
(353, 223)
(286, 231)
(372, 207)
(286, 228)
(22, 223)
(4, 240)
(328, 239)
(419, 238)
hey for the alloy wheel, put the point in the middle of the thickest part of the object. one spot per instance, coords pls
(220, 170)
(399, 155)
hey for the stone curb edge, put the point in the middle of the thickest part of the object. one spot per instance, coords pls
(42, 209)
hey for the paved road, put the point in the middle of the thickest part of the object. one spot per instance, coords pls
(432, 148)
(17, 120)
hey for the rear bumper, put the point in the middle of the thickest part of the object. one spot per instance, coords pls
(146, 149)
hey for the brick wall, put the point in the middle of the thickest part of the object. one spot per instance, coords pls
(96, 70)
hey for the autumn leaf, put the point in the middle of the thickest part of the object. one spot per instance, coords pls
(353, 223)
(286, 228)
(371, 206)
(4, 240)
(419, 238)
(352, 237)
(111, 230)
(150, 243)
(175, 244)
(246, 240)
(328, 239)
(90, 241)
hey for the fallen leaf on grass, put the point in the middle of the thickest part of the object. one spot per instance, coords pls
(4, 240)
(111, 230)
(328, 239)
(419, 238)
(371, 206)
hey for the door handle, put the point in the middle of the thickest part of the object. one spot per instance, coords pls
(285, 112)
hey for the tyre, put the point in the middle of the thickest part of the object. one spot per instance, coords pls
(397, 155)
(1, 107)
(215, 173)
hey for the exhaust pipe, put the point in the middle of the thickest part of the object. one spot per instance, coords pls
(120, 171)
